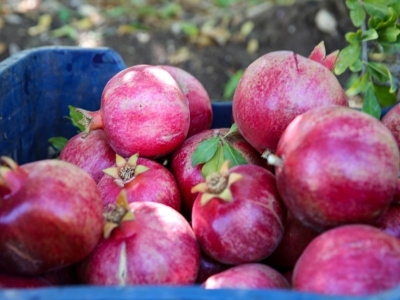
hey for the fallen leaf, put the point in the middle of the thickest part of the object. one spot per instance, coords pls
(246, 28)
(252, 46)
(42, 26)
(180, 56)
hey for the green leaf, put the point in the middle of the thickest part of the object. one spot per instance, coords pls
(357, 66)
(205, 151)
(58, 142)
(376, 9)
(396, 6)
(189, 29)
(371, 105)
(382, 73)
(359, 86)
(236, 158)
(390, 34)
(352, 4)
(353, 37)
(369, 35)
(231, 85)
(385, 97)
(75, 117)
(357, 14)
(375, 22)
(214, 164)
(347, 56)
(232, 129)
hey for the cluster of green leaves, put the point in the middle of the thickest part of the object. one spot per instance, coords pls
(378, 31)
(59, 142)
(230, 86)
(214, 151)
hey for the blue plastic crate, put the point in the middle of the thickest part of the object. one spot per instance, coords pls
(36, 87)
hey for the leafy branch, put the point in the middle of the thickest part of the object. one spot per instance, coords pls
(376, 40)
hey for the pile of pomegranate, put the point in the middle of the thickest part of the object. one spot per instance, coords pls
(301, 193)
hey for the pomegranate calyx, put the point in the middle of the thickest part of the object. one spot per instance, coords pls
(12, 177)
(125, 170)
(117, 213)
(217, 185)
(90, 120)
(319, 55)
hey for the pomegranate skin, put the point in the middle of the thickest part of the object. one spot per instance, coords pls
(188, 176)
(339, 166)
(156, 185)
(199, 102)
(92, 154)
(276, 88)
(390, 222)
(350, 260)
(295, 239)
(144, 111)
(247, 276)
(158, 247)
(53, 220)
(392, 120)
(246, 229)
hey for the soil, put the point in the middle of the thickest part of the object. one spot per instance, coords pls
(213, 54)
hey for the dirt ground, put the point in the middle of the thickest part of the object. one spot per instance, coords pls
(210, 42)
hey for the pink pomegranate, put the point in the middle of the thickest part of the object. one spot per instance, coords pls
(279, 86)
(92, 154)
(187, 175)
(145, 243)
(199, 102)
(350, 260)
(295, 239)
(238, 216)
(247, 276)
(390, 222)
(334, 166)
(143, 110)
(142, 179)
(392, 121)
(51, 216)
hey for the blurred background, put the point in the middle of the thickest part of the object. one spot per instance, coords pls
(214, 40)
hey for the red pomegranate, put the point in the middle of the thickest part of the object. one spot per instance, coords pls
(247, 276)
(143, 110)
(349, 260)
(142, 179)
(144, 243)
(201, 113)
(279, 86)
(334, 166)
(92, 154)
(238, 216)
(50, 216)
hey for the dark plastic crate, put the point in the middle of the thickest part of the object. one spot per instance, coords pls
(36, 87)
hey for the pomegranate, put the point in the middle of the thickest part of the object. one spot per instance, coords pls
(352, 260)
(143, 110)
(392, 120)
(295, 239)
(143, 180)
(390, 222)
(279, 86)
(92, 154)
(144, 243)
(334, 166)
(199, 102)
(248, 276)
(187, 175)
(50, 216)
(237, 216)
